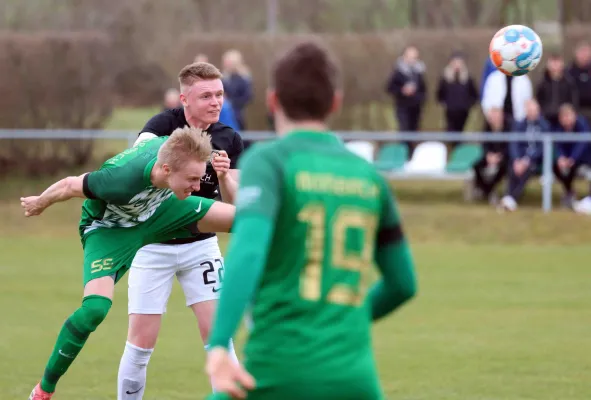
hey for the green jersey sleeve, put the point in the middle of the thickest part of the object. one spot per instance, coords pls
(390, 229)
(115, 185)
(260, 182)
(394, 260)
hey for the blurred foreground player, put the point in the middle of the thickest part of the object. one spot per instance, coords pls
(312, 220)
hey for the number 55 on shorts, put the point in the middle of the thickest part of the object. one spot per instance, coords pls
(104, 264)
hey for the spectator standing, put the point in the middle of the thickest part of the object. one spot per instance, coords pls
(456, 93)
(237, 84)
(580, 71)
(510, 93)
(555, 89)
(407, 87)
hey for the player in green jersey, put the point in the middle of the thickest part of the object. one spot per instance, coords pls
(138, 197)
(312, 220)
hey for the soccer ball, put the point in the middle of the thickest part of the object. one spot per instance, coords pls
(515, 50)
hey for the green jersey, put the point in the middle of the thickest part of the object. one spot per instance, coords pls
(120, 193)
(310, 297)
(330, 215)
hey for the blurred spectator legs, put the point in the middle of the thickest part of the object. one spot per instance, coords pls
(487, 177)
(455, 122)
(409, 118)
(566, 178)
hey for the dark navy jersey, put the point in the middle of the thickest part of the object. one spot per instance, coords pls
(223, 137)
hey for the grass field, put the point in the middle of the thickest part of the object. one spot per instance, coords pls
(503, 311)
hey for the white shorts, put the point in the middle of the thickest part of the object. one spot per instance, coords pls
(199, 267)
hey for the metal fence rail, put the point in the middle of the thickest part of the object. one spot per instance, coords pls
(548, 141)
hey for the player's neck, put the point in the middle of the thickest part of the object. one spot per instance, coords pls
(195, 123)
(157, 177)
(310, 126)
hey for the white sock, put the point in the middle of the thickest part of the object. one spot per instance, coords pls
(233, 356)
(131, 382)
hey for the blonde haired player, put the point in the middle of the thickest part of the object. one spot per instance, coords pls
(137, 197)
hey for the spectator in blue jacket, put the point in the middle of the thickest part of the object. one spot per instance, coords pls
(570, 155)
(525, 158)
(227, 116)
(237, 84)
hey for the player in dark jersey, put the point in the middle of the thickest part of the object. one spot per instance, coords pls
(312, 220)
(137, 197)
(196, 262)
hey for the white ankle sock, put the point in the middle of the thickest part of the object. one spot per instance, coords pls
(131, 382)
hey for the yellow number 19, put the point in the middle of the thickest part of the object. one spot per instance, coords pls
(345, 219)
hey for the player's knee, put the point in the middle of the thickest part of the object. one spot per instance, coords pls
(95, 310)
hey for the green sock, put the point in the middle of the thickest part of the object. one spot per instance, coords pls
(72, 337)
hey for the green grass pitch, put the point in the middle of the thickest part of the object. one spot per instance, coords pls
(503, 311)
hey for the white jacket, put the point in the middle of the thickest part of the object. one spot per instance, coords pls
(495, 89)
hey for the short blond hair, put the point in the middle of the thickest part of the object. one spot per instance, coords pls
(199, 71)
(185, 144)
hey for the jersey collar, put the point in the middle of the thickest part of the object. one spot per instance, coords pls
(148, 172)
(327, 136)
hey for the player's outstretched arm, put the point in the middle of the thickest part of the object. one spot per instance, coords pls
(219, 218)
(62, 190)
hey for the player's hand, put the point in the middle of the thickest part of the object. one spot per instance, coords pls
(221, 163)
(226, 375)
(563, 163)
(32, 205)
(493, 158)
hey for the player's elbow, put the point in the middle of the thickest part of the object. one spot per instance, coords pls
(73, 187)
(409, 290)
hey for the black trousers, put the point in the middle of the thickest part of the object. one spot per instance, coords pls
(485, 183)
(516, 184)
(409, 118)
(455, 122)
(566, 178)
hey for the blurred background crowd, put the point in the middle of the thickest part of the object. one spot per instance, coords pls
(409, 66)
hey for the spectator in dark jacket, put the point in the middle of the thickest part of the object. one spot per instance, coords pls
(525, 158)
(580, 70)
(492, 168)
(457, 93)
(570, 155)
(237, 84)
(555, 89)
(407, 87)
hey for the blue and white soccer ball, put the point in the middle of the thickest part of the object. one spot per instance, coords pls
(515, 50)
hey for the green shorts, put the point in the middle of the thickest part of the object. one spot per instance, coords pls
(110, 251)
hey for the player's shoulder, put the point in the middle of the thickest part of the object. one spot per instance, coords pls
(267, 151)
(165, 122)
(222, 131)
